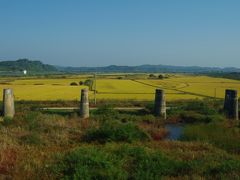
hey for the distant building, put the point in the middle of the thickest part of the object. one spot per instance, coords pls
(25, 72)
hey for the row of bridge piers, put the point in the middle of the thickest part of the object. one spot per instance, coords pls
(230, 104)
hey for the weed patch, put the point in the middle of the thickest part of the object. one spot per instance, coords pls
(115, 131)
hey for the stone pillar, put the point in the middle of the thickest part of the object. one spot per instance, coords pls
(160, 104)
(84, 104)
(231, 104)
(8, 103)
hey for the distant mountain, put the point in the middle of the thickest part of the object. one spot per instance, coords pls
(149, 69)
(25, 64)
(37, 67)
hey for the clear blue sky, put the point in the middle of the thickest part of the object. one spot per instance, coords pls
(121, 32)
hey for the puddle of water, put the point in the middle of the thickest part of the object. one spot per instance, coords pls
(175, 131)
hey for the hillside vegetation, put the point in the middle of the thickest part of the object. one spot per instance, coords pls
(232, 75)
(25, 64)
(149, 68)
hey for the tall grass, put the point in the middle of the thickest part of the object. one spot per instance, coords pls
(215, 133)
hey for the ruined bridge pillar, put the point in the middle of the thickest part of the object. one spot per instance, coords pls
(84, 104)
(231, 104)
(8, 109)
(160, 104)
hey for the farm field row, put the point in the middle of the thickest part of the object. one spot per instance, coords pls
(176, 87)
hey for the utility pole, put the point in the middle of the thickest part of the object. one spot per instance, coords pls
(215, 93)
(95, 89)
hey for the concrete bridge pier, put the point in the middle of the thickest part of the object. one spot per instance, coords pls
(84, 104)
(160, 104)
(231, 104)
(8, 103)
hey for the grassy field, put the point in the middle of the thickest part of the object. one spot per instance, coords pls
(119, 87)
(114, 144)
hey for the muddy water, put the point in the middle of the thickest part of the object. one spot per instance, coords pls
(175, 131)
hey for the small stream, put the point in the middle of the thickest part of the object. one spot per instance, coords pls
(175, 131)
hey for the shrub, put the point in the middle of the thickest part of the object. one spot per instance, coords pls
(81, 83)
(225, 167)
(200, 107)
(118, 162)
(115, 131)
(161, 76)
(193, 117)
(7, 121)
(150, 107)
(148, 118)
(105, 110)
(73, 84)
(106, 113)
(90, 163)
(152, 165)
(152, 76)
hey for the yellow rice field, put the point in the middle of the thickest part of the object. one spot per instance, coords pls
(177, 87)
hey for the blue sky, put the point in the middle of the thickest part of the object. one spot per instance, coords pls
(121, 32)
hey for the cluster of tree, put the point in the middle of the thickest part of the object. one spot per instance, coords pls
(160, 76)
(88, 82)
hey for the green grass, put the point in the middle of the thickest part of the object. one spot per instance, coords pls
(124, 161)
(115, 132)
(218, 134)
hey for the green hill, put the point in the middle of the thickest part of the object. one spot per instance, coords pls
(25, 64)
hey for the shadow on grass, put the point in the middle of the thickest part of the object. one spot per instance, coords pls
(135, 112)
(60, 112)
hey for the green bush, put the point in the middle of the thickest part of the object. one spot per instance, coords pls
(193, 117)
(121, 162)
(105, 113)
(200, 107)
(7, 121)
(150, 164)
(148, 118)
(105, 110)
(152, 76)
(73, 84)
(81, 83)
(90, 163)
(223, 167)
(160, 76)
(216, 134)
(115, 131)
(150, 107)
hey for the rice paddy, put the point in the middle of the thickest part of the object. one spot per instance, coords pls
(139, 87)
